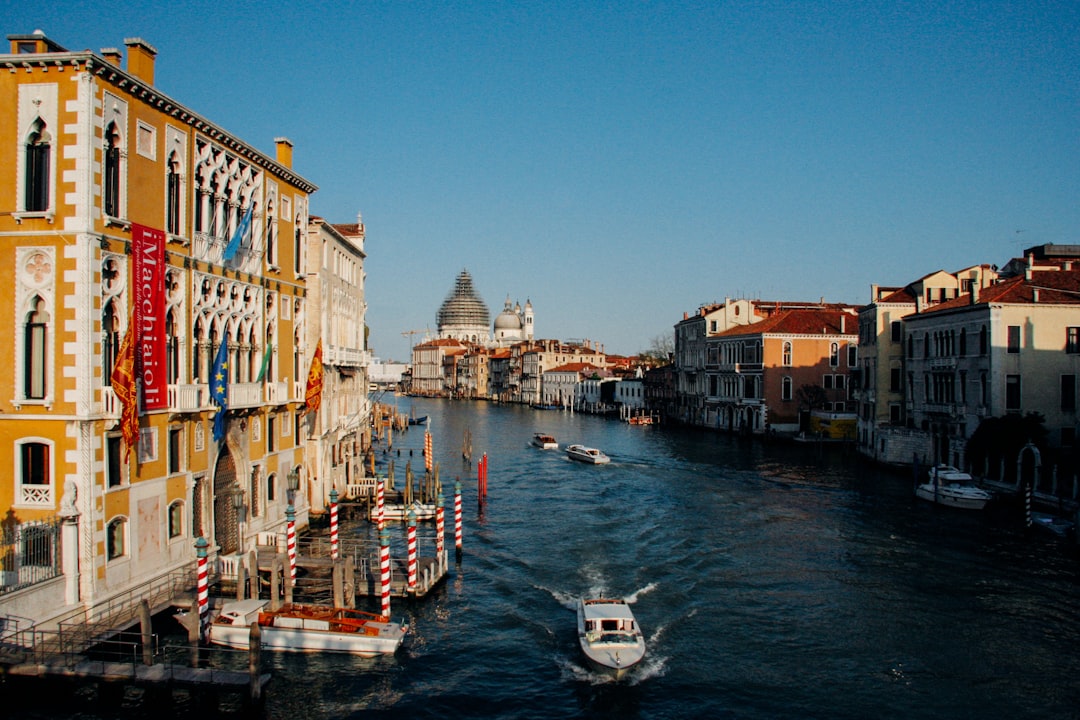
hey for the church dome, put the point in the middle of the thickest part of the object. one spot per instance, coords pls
(463, 308)
(507, 319)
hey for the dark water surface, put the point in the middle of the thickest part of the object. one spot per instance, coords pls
(770, 580)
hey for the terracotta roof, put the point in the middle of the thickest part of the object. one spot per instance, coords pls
(903, 295)
(575, 367)
(1055, 287)
(349, 228)
(800, 322)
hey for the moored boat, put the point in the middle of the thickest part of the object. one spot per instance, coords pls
(544, 441)
(586, 454)
(609, 635)
(307, 628)
(951, 487)
(418, 420)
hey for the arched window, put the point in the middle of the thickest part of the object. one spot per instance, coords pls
(298, 248)
(172, 347)
(176, 519)
(787, 353)
(852, 355)
(785, 388)
(963, 341)
(172, 196)
(38, 154)
(984, 342)
(110, 341)
(111, 179)
(271, 241)
(834, 354)
(116, 538)
(35, 348)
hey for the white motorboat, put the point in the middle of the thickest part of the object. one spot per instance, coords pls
(609, 636)
(307, 628)
(586, 454)
(951, 487)
(545, 442)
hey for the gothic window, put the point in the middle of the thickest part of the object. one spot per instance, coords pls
(110, 342)
(834, 354)
(172, 196)
(38, 153)
(271, 241)
(172, 347)
(785, 388)
(35, 348)
(111, 178)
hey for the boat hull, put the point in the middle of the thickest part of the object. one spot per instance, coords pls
(955, 496)
(609, 636)
(544, 442)
(584, 454)
(286, 631)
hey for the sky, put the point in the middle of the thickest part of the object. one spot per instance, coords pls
(619, 164)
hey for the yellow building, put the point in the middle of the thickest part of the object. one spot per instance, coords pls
(119, 208)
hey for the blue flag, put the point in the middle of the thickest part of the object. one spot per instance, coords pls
(238, 237)
(219, 387)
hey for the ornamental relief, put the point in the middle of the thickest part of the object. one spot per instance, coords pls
(36, 276)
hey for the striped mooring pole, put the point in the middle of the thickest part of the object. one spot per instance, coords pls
(457, 516)
(440, 527)
(384, 571)
(380, 500)
(333, 524)
(290, 541)
(203, 586)
(427, 451)
(411, 534)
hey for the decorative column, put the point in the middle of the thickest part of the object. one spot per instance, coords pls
(333, 524)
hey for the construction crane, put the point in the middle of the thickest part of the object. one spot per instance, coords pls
(426, 332)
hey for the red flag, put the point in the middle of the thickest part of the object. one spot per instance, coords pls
(123, 385)
(313, 391)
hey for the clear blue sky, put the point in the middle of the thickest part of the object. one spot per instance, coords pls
(621, 163)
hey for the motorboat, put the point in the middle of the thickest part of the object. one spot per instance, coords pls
(307, 628)
(946, 485)
(586, 454)
(545, 442)
(609, 635)
(1059, 526)
(400, 511)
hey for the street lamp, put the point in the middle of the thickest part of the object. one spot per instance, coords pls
(293, 479)
(238, 502)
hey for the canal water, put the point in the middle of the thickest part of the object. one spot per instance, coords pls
(771, 580)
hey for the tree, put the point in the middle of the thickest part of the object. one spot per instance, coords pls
(811, 397)
(661, 350)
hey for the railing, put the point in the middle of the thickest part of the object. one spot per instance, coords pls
(277, 393)
(943, 363)
(188, 398)
(245, 395)
(29, 553)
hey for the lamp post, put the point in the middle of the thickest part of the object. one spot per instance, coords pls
(241, 517)
(293, 479)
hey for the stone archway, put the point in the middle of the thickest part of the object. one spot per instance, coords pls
(226, 522)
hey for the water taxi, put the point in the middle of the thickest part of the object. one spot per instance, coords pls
(609, 636)
(587, 455)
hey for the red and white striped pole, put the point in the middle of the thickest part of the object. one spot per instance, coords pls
(203, 587)
(384, 571)
(380, 500)
(440, 527)
(457, 516)
(411, 519)
(290, 541)
(333, 523)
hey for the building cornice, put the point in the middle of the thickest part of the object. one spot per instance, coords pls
(122, 80)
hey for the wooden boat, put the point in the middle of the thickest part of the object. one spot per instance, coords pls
(400, 511)
(545, 442)
(418, 420)
(609, 636)
(951, 487)
(307, 628)
(640, 419)
(587, 455)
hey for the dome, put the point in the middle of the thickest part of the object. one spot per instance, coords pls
(507, 319)
(463, 307)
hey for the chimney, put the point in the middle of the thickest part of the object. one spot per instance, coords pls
(685, 315)
(141, 56)
(284, 151)
(111, 55)
(1035, 295)
(975, 293)
(843, 325)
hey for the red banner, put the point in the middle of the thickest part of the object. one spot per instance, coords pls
(148, 251)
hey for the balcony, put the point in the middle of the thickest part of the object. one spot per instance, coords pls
(277, 393)
(943, 363)
(188, 398)
(245, 395)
